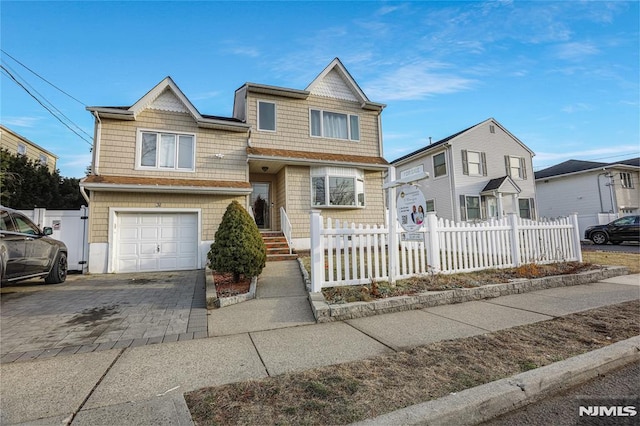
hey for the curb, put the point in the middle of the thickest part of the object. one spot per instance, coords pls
(212, 299)
(325, 312)
(485, 402)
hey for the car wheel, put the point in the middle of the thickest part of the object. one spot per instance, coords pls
(58, 272)
(599, 238)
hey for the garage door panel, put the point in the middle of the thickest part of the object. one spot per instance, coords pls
(156, 241)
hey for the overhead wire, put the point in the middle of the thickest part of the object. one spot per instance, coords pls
(12, 77)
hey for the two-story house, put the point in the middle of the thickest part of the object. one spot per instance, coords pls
(163, 173)
(18, 144)
(478, 173)
(599, 192)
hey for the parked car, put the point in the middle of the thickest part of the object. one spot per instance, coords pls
(624, 229)
(27, 252)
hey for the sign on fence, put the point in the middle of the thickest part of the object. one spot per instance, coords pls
(411, 206)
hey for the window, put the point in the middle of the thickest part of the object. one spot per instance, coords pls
(470, 207)
(266, 116)
(166, 151)
(334, 125)
(22, 149)
(43, 159)
(474, 163)
(337, 187)
(439, 165)
(431, 205)
(625, 178)
(515, 167)
(526, 208)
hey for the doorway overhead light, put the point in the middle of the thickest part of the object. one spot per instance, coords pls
(265, 168)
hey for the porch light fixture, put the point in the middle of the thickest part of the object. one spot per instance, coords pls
(265, 168)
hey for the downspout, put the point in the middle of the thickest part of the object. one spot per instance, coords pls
(454, 199)
(600, 191)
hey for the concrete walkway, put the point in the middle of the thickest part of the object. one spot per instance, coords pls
(271, 335)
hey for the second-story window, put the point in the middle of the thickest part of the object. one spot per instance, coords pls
(474, 163)
(439, 165)
(166, 151)
(266, 116)
(22, 149)
(43, 159)
(625, 178)
(334, 125)
(515, 167)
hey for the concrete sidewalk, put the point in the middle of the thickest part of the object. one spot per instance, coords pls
(271, 335)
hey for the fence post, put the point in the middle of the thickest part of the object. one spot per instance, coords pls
(432, 242)
(515, 239)
(39, 216)
(576, 235)
(393, 233)
(317, 252)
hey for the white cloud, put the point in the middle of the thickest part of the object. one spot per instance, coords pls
(21, 121)
(575, 51)
(206, 95)
(416, 81)
(570, 109)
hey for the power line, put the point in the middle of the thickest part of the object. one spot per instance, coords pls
(43, 105)
(24, 81)
(42, 78)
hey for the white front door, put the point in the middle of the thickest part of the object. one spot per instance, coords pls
(156, 242)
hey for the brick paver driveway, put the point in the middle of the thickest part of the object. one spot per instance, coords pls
(99, 312)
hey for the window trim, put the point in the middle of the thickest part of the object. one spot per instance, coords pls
(530, 208)
(43, 159)
(433, 162)
(22, 149)
(138, 164)
(482, 163)
(275, 115)
(522, 167)
(349, 130)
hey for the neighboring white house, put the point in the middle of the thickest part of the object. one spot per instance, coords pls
(481, 172)
(598, 192)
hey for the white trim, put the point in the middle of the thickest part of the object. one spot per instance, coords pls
(159, 133)
(113, 213)
(433, 164)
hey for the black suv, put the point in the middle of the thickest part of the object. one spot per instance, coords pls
(624, 229)
(27, 252)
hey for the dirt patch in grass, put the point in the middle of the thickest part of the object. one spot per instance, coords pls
(439, 282)
(354, 391)
(226, 287)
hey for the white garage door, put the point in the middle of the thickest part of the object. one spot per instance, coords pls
(156, 242)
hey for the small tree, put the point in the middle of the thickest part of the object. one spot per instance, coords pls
(238, 247)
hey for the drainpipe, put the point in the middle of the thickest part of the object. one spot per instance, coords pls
(604, 173)
(96, 145)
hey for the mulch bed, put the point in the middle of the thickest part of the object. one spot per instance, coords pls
(226, 287)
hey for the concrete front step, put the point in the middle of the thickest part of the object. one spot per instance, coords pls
(280, 257)
(277, 247)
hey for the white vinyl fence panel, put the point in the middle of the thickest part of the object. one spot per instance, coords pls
(70, 227)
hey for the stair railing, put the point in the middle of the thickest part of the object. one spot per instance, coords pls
(285, 226)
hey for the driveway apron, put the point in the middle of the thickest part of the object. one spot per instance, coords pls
(98, 312)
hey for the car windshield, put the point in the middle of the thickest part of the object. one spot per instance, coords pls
(629, 220)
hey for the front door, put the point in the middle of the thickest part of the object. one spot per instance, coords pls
(261, 205)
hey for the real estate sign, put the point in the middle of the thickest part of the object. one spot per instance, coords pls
(411, 207)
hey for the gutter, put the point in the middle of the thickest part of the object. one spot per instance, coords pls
(115, 187)
(306, 162)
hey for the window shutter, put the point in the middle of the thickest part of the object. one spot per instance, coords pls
(507, 165)
(532, 205)
(483, 158)
(465, 164)
(463, 208)
(523, 167)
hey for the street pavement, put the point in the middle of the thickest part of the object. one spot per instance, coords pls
(144, 385)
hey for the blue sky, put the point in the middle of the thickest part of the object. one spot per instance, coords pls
(563, 77)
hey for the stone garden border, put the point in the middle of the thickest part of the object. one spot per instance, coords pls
(325, 312)
(213, 301)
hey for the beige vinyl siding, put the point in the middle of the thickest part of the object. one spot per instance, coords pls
(299, 202)
(292, 124)
(10, 142)
(213, 208)
(118, 148)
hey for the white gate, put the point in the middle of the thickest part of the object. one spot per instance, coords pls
(69, 226)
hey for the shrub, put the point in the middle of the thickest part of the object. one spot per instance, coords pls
(238, 247)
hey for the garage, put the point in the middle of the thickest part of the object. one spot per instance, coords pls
(156, 241)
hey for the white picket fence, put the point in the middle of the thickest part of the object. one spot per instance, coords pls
(349, 254)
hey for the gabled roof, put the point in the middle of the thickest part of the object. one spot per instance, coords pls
(580, 166)
(504, 184)
(166, 95)
(452, 138)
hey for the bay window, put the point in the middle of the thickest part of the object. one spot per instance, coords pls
(166, 151)
(334, 125)
(337, 187)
